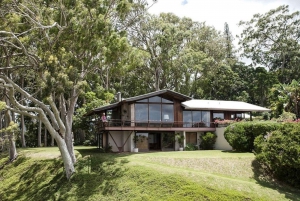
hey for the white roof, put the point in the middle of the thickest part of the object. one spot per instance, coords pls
(222, 105)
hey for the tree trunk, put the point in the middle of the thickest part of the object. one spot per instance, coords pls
(68, 163)
(40, 134)
(12, 147)
(23, 130)
(45, 137)
(11, 137)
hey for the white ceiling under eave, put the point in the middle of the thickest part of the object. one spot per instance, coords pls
(222, 106)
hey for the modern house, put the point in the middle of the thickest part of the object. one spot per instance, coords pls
(156, 117)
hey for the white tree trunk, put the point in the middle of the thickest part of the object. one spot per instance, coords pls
(12, 147)
(68, 163)
(23, 129)
(40, 134)
(45, 137)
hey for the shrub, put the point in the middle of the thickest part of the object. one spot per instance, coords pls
(190, 147)
(241, 135)
(208, 141)
(279, 153)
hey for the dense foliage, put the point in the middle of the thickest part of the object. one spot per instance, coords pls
(279, 153)
(208, 140)
(241, 135)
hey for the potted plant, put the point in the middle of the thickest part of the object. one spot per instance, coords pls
(135, 140)
(180, 140)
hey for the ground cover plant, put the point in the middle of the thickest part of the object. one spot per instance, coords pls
(193, 175)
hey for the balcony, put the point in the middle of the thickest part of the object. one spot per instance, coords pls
(122, 125)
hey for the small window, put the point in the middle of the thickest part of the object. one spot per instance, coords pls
(218, 116)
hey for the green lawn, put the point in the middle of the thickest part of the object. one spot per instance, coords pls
(190, 175)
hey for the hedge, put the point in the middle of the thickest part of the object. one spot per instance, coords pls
(241, 135)
(279, 153)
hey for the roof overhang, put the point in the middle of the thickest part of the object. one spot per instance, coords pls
(222, 106)
(168, 94)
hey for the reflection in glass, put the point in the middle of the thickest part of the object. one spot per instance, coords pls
(155, 99)
(154, 112)
(187, 118)
(196, 116)
(168, 110)
(141, 112)
(166, 101)
(218, 116)
(206, 118)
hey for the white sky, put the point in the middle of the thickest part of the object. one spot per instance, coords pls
(216, 12)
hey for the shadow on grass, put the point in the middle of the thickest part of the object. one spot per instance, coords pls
(267, 181)
(234, 152)
(45, 179)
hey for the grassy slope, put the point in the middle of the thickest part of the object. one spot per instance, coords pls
(198, 175)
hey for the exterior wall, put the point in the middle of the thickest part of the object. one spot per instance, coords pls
(116, 139)
(221, 142)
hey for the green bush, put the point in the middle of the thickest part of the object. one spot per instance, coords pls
(190, 147)
(279, 153)
(208, 141)
(241, 135)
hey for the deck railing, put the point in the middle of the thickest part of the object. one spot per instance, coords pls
(170, 124)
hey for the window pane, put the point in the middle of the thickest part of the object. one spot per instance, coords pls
(218, 116)
(196, 116)
(155, 99)
(154, 112)
(187, 119)
(206, 118)
(141, 112)
(167, 113)
(143, 101)
(166, 101)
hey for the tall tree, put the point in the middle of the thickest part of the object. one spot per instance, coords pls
(58, 45)
(272, 41)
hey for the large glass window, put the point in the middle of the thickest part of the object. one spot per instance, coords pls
(187, 119)
(141, 112)
(196, 118)
(154, 112)
(167, 112)
(205, 117)
(154, 109)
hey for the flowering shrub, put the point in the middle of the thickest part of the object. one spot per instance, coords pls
(224, 121)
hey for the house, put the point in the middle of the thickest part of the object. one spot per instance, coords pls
(156, 117)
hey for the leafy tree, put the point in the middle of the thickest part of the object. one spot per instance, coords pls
(272, 40)
(286, 97)
(59, 46)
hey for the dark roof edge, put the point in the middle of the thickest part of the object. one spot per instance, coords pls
(135, 98)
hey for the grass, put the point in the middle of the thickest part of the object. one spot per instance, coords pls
(37, 174)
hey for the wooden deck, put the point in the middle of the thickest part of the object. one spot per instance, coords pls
(119, 125)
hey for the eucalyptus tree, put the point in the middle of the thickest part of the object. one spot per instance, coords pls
(58, 45)
(272, 41)
(159, 41)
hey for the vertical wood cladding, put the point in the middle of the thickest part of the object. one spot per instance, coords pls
(178, 116)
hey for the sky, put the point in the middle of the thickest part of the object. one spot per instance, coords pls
(216, 12)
